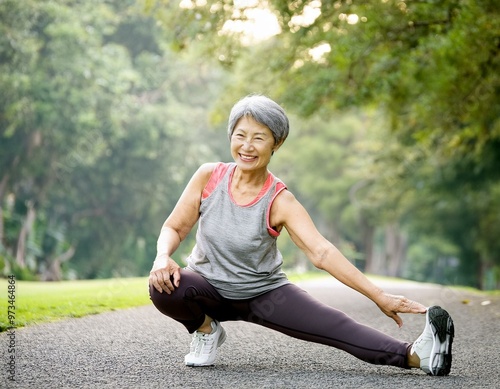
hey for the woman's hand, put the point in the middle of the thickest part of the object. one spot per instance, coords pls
(391, 305)
(165, 274)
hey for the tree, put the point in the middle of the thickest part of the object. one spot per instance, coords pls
(431, 66)
(99, 133)
(50, 104)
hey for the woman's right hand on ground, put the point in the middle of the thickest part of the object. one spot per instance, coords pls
(165, 275)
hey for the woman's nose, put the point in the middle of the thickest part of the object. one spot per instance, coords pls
(247, 145)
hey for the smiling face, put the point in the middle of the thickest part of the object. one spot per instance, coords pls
(252, 144)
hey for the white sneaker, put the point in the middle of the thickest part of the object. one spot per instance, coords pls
(433, 346)
(203, 348)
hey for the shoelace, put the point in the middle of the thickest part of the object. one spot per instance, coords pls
(201, 342)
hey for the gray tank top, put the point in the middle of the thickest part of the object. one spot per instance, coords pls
(236, 248)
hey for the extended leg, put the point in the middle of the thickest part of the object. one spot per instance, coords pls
(294, 312)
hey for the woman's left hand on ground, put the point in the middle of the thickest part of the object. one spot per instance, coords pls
(391, 305)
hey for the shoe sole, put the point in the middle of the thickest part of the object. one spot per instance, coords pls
(443, 332)
(222, 339)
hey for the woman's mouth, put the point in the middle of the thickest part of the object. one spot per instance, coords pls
(247, 158)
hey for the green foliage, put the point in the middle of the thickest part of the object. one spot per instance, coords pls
(110, 107)
(432, 68)
(432, 259)
(101, 129)
(325, 146)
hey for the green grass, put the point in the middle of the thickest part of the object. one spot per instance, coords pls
(38, 302)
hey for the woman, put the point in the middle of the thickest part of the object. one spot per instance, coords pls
(234, 271)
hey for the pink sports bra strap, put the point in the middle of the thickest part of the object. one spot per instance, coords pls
(280, 186)
(215, 178)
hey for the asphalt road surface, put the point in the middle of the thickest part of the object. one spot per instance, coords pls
(140, 348)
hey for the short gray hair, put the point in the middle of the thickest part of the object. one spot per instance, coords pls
(264, 111)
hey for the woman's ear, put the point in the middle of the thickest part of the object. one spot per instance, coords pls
(277, 146)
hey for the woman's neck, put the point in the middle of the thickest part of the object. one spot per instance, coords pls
(246, 186)
(249, 179)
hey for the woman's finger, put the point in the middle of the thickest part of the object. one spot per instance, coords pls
(177, 277)
(153, 280)
(417, 307)
(410, 306)
(398, 320)
(166, 283)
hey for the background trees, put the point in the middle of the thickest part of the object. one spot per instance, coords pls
(430, 68)
(100, 128)
(109, 107)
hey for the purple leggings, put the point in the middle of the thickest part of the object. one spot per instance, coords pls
(287, 309)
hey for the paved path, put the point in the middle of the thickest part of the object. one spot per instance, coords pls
(140, 348)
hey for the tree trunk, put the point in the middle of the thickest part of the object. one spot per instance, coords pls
(24, 233)
(368, 232)
(3, 186)
(395, 247)
(53, 272)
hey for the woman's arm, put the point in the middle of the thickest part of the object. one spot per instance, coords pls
(165, 274)
(288, 212)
